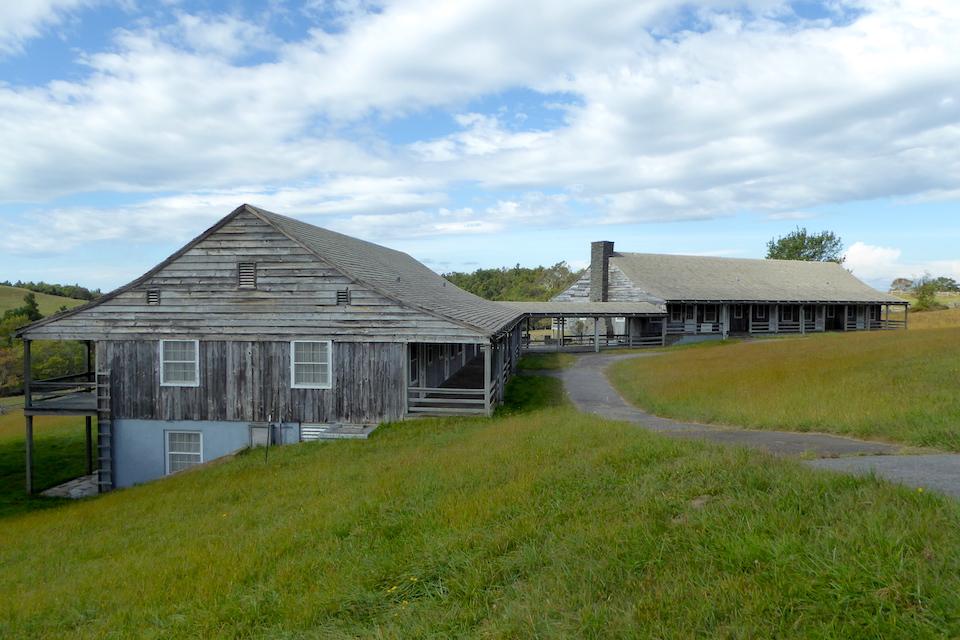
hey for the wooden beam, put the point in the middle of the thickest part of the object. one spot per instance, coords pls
(27, 374)
(486, 377)
(88, 429)
(29, 456)
(596, 335)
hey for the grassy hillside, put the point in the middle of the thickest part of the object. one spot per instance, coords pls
(12, 297)
(899, 386)
(547, 524)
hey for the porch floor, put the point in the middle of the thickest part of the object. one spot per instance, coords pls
(77, 403)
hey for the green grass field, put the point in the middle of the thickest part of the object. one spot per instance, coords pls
(59, 455)
(899, 386)
(12, 297)
(538, 523)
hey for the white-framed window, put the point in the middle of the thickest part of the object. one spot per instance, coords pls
(676, 313)
(851, 313)
(179, 363)
(691, 313)
(831, 312)
(710, 313)
(761, 311)
(311, 364)
(184, 449)
(738, 311)
(788, 313)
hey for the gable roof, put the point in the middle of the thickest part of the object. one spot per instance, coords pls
(672, 277)
(391, 273)
(395, 275)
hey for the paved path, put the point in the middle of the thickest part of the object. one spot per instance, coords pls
(588, 388)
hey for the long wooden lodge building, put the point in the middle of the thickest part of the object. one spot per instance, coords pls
(268, 330)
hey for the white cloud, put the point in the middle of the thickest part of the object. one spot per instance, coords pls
(749, 111)
(881, 265)
(23, 20)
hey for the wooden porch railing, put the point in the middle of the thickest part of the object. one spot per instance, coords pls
(442, 401)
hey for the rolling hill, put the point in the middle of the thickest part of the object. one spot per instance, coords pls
(12, 297)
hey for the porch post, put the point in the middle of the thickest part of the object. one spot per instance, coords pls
(28, 419)
(29, 447)
(803, 319)
(750, 318)
(596, 335)
(906, 315)
(663, 331)
(629, 322)
(486, 377)
(88, 428)
(90, 367)
(846, 316)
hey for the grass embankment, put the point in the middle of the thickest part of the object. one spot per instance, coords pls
(535, 524)
(12, 297)
(899, 386)
(545, 361)
(59, 455)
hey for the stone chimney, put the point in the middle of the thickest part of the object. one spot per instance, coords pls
(600, 253)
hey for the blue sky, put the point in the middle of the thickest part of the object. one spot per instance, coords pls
(473, 134)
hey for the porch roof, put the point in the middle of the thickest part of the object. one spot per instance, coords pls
(588, 309)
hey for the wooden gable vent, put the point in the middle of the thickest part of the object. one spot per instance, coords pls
(343, 296)
(153, 296)
(247, 275)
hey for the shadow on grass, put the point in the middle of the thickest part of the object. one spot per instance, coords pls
(58, 457)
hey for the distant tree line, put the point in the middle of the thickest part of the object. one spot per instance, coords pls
(49, 358)
(516, 283)
(64, 290)
(940, 284)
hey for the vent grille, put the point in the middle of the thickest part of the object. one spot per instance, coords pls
(343, 296)
(247, 275)
(153, 296)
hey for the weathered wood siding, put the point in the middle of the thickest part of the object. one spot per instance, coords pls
(295, 295)
(250, 381)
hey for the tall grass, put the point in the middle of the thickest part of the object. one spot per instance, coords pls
(548, 524)
(899, 386)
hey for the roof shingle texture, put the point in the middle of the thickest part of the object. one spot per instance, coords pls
(672, 277)
(396, 275)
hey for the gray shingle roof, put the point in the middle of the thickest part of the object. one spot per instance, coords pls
(672, 277)
(396, 275)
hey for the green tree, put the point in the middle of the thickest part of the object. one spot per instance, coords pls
(29, 309)
(946, 284)
(800, 244)
(516, 283)
(925, 291)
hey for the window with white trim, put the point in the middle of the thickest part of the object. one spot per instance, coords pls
(761, 312)
(676, 313)
(310, 364)
(184, 450)
(738, 311)
(179, 363)
(710, 313)
(831, 312)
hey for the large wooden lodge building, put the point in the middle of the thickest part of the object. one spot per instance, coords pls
(268, 330)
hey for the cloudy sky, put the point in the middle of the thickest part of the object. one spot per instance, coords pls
(480, 132)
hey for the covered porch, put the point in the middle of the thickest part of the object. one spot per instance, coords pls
(779, 317)
(453, 379)
(591, 326)
(79, 394)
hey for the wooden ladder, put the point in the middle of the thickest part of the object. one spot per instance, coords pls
(105, 479)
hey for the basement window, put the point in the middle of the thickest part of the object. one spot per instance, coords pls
(184, 450)
(247, 275)
(179, 363)
(310, 364)
(343, 297)
(153, 296)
